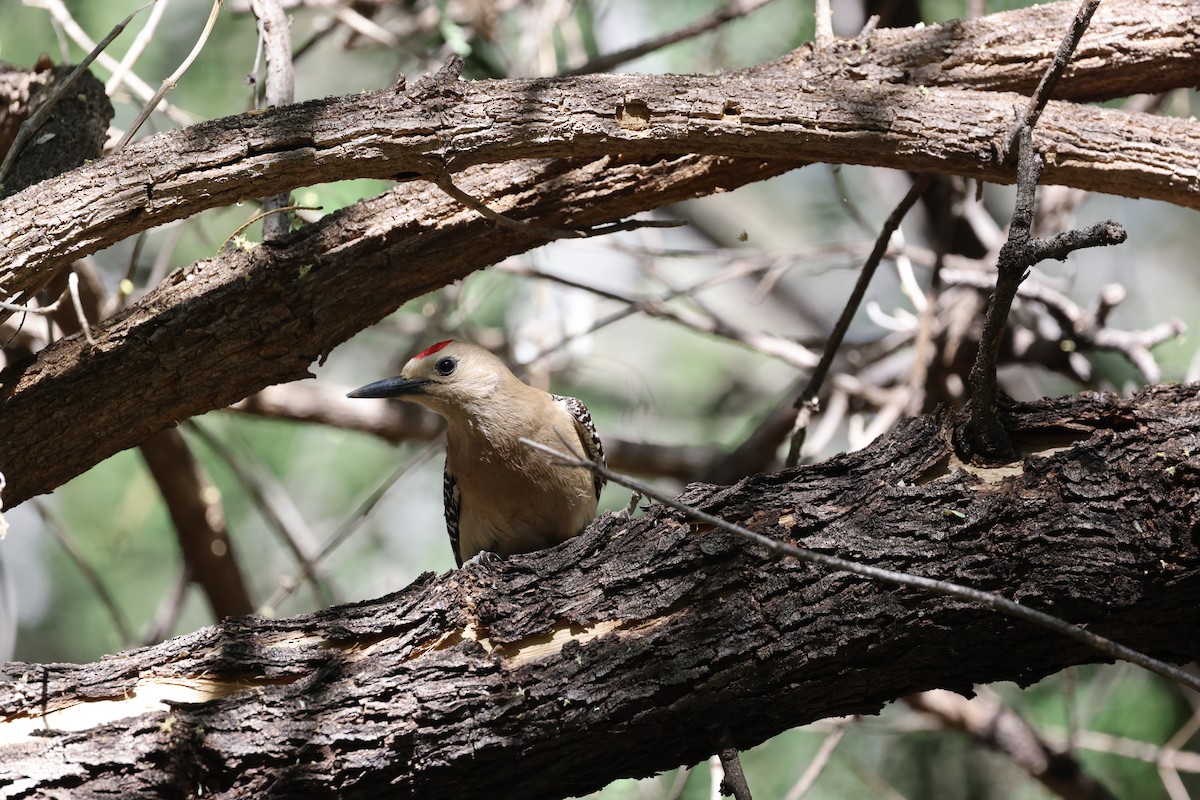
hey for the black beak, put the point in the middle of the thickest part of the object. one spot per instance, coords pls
(391, 387)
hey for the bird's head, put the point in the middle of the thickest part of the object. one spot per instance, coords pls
(447, 377)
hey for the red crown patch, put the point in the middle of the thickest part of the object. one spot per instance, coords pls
(433, 348)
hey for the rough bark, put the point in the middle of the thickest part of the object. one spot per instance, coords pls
(222, 329)
(836, 105)
(226, 328)
(1010, 51)
(647, 644)
(73, 132)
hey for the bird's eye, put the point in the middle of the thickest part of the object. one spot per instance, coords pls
(445, 366)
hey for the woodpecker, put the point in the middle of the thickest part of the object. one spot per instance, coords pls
(501, 495)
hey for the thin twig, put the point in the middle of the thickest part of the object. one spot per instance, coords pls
(678, 784)
(991, 723)
(804, 403)
(819, 761)
(263, 215)
(824, 23)
(30, 126)
(44, 311)
(137, 47)
(734, 781)
(356, 518)
(170, 82)
(355, 21)
(987, 437)
(632, 305)
(1058, 65)
(441, 178)
(90, 574)
(781, 347)
(84, 325)
(62, 16)
(629, 225)
(3, 522)
(987, 599)
(1084, 329)
(1179, 760)
(732, 10)
(276, 508)
(169, 609)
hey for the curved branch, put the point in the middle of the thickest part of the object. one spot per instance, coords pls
(223, 329)
(552, 673)
(1131, 47)
(835, 106)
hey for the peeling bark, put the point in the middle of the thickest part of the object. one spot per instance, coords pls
(643, 645)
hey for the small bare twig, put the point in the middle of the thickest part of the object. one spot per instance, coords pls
(734, 782)
(62, 16)
(169, 609)
(44, 311)
(633, 305)
(824, 23)
(356, 518)
(781, 347)
(263, 215)
(1084, 329)
(678, 784)
(3, 521)
(441, 178)
(994, 725)
(1051, 76)
(173, 79)
(1058, 65)
(1175, 759)
(864, 35)
(73, 290)
(137, 47)
(276, 508)
(987, 437)
(90, 574)
(776, 547)
(817, 765)
(804, 403)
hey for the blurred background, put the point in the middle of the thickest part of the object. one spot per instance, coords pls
(688, 339)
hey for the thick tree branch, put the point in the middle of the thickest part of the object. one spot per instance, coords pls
(223, 329)
(658, 631)
(1130, 47)
(812, 107)
(199, 522)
